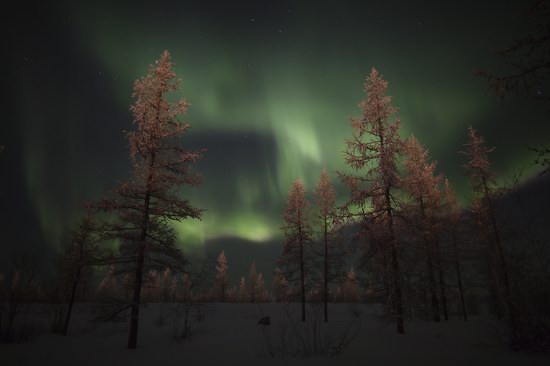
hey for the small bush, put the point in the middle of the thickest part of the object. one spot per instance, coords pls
(314, 337)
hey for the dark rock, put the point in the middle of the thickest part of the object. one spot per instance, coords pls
(265, 321)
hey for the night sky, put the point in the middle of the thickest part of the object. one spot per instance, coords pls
(272, 86)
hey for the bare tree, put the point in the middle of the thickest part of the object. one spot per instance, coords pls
(144, 207)
(188, 294)
(528, 66)
(527, 58)
(297, 233)
(18, 286)
(372, 153)
(543, 157)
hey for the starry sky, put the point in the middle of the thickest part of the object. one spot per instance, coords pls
(272, 86)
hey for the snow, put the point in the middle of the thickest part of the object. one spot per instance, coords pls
(230, 335)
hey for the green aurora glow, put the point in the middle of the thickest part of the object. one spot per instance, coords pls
(271, 93)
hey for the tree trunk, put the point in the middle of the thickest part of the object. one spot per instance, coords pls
(397, 299)
(429, 265)
(302, 281)
(326, 272)
(492, 285)
(441, 280)
(385, 269)
(459, 277)
(398, 302)
(431, 278)
(397, 288)
(510, 308)
(134, 317)
(12, 312)
(71, 301)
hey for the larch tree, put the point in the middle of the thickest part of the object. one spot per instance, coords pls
(440, 268)
(527, 66)
(350, 287)
(372, 153)
(422, 185)
(221, 275)
(242, 290)
(252, 283)
(527, 58)
(18, 289)
(108, 287)
(81, 252)
(375, 255)
(167, 286)
(452, 214)
(482, 181)
(145, 207)
(280, 286)
(328, 223)
(260, 288)
(297, 232)
(543, 157)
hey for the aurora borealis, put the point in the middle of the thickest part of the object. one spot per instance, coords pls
(272, 86)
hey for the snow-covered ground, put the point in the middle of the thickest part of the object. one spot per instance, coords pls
(230, 335)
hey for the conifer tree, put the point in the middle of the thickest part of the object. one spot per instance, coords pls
(81, 252)
(260, 288)
(108, 287)
(242, 290)
(166, 286)
(144, 207)
(372, 153)
(252, 283)
(280, 286)
(327, 221)
(377, 256)
(482, 182)
(350, 290)
(221, 276)
(422, 185)
(297, 233)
